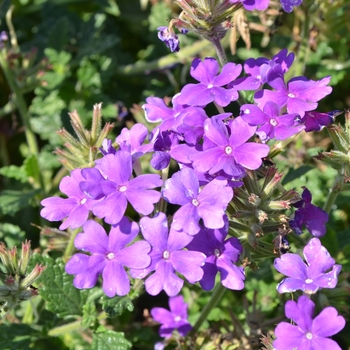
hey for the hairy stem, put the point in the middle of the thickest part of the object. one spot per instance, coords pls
(219, 50)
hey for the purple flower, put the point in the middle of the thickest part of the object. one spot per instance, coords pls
(109, 256)
(308, 333)
(209, 203)
(314, 218)
(211, 85)
(300, 94)
(315, 121)
(221, 257)
(116, 188)
(319, 270)
(176, 318)
(167, 257)
(132, 140)
(289, 4)
(75, 208)
(272, 125)
(229, 152)
(252, 5)
(107, 147)
(169, 38)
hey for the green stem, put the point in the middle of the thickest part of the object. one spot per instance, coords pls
(70, 246)
(20, 103)
(334, 191)
(218, 293)
(219, 50)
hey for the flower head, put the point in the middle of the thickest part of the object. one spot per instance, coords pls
(176, 318)
(308, 333)
(167, 35)
(319, 270)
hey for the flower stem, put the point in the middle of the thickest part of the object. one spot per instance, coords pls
(215, 298)
(219, 50)
(334, 191)
(70, 246)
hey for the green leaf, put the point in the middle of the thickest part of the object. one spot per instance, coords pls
(61, 297)
(114, 307)
(110, 340)
(13, 201)
(296, 173)
(31, 167)
(14, 172)
(89, 314)
(17, 336)
(11, 234)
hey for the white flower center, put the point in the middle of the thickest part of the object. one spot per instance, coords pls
(195, 202)
(309, 280)
(217, 252)
(177, 318)
(122, 189)
(273, 122)
(210, 86)
(309, 335)
(166, 255)
(228, 149)
(110, 256)
(291, 95)
(83, 201)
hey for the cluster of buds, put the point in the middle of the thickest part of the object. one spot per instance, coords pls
(17, 283)
(257, 209)
(209, 18)
(82, 151)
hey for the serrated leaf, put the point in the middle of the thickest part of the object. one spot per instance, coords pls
(14, 172)
(13, 201)
(61, 297)
(89, 314)
(110, 340)
(17, 337)
(114, 307)
(11, 234)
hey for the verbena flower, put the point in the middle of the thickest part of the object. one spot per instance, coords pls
(308, 215)
(315, 121)
(167, 257)
(109, 256)
(175, 319)
(229, 152)
(74, 209)
(308, 333)
(168, 36)
(271, 124)
(318, 271)
(116, 188)
(221, 257)
(208, 203)
(299, 95)
(211, 84)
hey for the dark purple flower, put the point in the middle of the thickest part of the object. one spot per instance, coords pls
(208, 203)
(107, 147)
(75, 209)
(300, 94)
(315, 121)
(167, 257)
(169, 38)
(112, 183)
(221, 257)
(162, 147)
(109, 256)
(289, 4)
(176, 318)
(229, 152)
(318, 271)
(308, 333)
(314, 218)
(211, 84)
(272, 124)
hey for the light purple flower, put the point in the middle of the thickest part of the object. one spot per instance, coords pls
(308, 333)
(211, 84)
(318, 271)
(75, 209)
(308, 215)
(167, 257)
(272, 124)
(109, 256)
(208, 203)
(118, 188)
(221, 257)
(229, 152)
(299, 95)
(169, 38)
(176, 318)
(289, 4)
